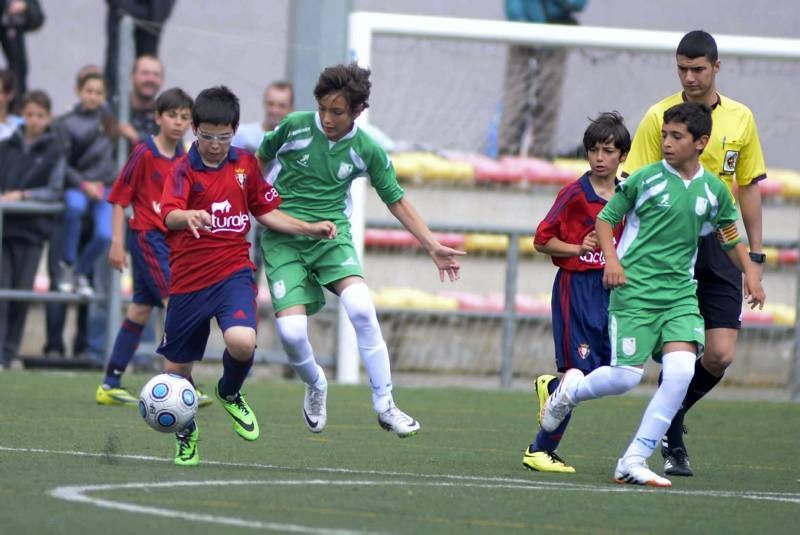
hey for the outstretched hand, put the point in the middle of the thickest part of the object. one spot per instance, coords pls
(446, 260)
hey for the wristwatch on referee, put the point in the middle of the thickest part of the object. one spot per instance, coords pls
(758, 258)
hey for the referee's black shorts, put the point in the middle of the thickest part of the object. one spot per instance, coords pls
(719, 286)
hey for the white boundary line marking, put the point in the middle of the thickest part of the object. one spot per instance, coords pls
(464, 481)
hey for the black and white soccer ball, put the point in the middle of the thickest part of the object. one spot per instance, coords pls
(168, 402)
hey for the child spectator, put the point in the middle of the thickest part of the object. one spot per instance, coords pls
(8, 121)
(31, 168)
(88, 132)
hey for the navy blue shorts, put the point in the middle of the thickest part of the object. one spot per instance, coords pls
(150, 266)
(580, 320)
(231, 301)
(719, 286)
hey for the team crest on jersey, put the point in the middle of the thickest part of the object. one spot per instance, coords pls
(663, 201)
(279, 289)
(700, 206)
(344, 170)
(241, 176)
(303, 160)
(584, 350)
(629, 346)
(157, 207)
(729, 164)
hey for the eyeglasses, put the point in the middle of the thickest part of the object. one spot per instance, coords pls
(210, 138)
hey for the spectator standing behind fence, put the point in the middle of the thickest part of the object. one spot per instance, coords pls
(278, 103)
(149, 18)
(88, 133)
(536, 69)
(8, 121)
(18, 17)
(147, 78)
(32, 167)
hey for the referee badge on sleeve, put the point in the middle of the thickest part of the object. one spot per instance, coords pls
(729, 164)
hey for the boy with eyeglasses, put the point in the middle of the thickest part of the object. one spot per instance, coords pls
(206, 205)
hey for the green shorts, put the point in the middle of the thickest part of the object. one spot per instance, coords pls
(636, 335)
(298, 267)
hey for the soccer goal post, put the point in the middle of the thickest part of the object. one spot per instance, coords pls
(365, 27)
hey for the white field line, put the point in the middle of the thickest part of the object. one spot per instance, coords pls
(450, 480)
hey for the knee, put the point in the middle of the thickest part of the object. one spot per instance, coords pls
(240, 342)
(717, 360)
(293, 330)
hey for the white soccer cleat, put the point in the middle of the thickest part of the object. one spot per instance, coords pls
(315, 412)
(560, 402)
(638, 473)
(398, 422)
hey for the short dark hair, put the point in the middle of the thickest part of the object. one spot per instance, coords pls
(608, 127)
(84, 75)
(8, 82)
(351, 80)
(173, 99)
(283, 85)
(696, 44)
(696, 117)
(216, 105)
(38, 97)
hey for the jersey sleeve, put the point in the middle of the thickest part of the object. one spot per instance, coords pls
(750, 166)
(646, 145)
(727, 214)
(623, 200)
(550, 226)
(383, 177)
(272, 141)
(177, 186)
(261, 196)
(128, 179)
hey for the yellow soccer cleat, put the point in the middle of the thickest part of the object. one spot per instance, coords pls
(106, 395)
(545, 461)
(541, 384)
(203, 399)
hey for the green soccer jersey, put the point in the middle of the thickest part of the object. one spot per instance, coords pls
(665, 215)
(313, 174)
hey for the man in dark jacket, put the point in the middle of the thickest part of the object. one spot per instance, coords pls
(32, 165)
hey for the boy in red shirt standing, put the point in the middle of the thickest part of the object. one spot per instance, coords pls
(139, 186)
(206, 205)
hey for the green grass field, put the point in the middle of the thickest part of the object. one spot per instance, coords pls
(68, 465)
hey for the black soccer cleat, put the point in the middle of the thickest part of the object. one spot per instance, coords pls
(676, 462)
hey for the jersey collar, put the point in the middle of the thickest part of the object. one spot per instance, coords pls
(675, 172)
(588, 190)
(713, 106)
(197, 161)
(150, 141)
(347, 136)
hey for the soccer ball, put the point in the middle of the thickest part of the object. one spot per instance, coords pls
(168, 402)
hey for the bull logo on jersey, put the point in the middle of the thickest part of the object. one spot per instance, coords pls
(223, 221)
(729, 164)
(241, 176)
(700, 206)
(584, 350)
(345, 169)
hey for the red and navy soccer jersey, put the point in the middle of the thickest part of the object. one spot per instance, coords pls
(140, 183)
(229, 193)
(570, 219)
